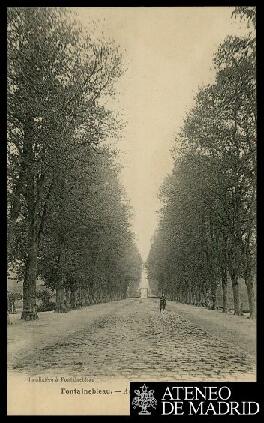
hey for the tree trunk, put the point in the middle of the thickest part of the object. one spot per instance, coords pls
(213, 296)
(79, 297)
(68, 298)
(8, 310)
(60, 307)
(213, 306)
(86, 303)
(251, 297)
(29, 286)
(73, 298)
(235, 287)
(61, 280)
(83, 297)
(224, 289)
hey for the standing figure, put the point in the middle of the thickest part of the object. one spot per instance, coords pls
(162, 302)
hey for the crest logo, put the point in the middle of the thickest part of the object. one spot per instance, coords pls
(144, 400)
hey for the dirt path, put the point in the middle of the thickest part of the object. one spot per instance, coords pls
(131, 339)
(239, 330)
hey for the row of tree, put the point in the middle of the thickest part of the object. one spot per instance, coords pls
(207, 229)
(68, 218)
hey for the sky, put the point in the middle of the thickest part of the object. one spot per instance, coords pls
(168, 55)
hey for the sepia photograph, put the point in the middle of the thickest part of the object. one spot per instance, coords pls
(131, 202)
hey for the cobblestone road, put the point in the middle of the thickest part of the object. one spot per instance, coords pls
(136, 341)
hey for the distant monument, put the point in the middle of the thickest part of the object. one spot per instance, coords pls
(143, 292)
(144, 285)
